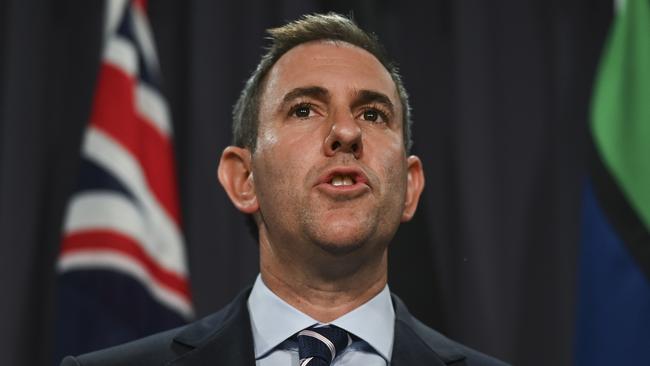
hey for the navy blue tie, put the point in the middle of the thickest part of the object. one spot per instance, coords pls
(318, 346)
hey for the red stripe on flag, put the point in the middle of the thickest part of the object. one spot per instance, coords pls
(114, 112)
(142, 4)
(118, 242)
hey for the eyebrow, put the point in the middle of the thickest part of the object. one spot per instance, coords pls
(370, 96)
(315, 92)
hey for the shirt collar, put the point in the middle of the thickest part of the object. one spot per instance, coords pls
(374, 322)
(273, 320)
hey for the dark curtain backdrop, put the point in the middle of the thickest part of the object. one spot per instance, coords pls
(500, 92)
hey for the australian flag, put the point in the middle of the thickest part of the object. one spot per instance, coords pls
(122, 267)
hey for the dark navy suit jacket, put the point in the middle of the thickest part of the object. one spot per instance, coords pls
(225, 338)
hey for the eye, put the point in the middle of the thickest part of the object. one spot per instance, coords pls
(370, 115)
(302, 110)
(374, 115)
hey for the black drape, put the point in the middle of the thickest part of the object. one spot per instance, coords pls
(500, 93)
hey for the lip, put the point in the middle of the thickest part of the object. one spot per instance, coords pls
(359, 187)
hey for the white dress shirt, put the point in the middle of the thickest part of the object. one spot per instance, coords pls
(274, 322)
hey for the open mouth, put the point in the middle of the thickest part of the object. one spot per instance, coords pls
(344, 183)
(346, 180)
(339, 180)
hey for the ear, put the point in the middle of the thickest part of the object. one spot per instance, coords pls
(236, 177)
(414, 187)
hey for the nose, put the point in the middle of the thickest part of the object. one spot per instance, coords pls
(344, 137)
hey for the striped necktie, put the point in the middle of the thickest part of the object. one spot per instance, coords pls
(319, 345)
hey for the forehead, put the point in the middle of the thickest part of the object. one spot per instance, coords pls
(336, 66)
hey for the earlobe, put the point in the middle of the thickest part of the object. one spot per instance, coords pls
(236, 177)
(414, 187)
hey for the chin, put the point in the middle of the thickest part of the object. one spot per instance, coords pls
(339, 249)
(340, 232)
(340, 240)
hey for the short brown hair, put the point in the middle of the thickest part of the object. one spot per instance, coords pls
(309, 28)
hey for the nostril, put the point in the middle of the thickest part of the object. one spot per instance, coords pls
(355, 147)
(336, 145)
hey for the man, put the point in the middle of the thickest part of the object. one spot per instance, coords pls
(320, 163)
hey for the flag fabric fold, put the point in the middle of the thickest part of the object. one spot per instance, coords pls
(613, 311)
(122, 271)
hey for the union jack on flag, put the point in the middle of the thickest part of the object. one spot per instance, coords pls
(122, 267)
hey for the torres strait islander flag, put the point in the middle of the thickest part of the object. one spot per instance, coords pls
(122, 268)
(613, 318)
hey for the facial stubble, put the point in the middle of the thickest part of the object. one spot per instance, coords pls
(376, 224)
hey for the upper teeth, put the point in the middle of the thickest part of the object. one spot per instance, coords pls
(342, 180)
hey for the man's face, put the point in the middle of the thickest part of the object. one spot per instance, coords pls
(330, 166)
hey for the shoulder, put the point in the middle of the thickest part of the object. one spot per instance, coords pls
(444, 345)
(448, 350)
(165, 347)
(152, 350)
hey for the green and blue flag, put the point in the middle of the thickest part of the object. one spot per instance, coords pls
(613, 317)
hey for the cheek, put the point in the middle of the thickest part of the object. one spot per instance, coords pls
(269, 172)
(266, 138)
(388, 154)
(278, 169)
(291, 147)
(396, 181)
(391, 164)
(268, 154)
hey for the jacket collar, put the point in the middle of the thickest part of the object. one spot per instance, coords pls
(417, 344)
(225, 338)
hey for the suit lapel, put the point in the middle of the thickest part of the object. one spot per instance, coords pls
(221, 339)
(417, 344)
(408, 349)
(225, 338)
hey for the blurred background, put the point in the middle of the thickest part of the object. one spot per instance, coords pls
(500, 93)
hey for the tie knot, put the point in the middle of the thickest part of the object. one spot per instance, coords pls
(319, 345)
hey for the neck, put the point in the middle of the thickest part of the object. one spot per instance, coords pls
(328, 288)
